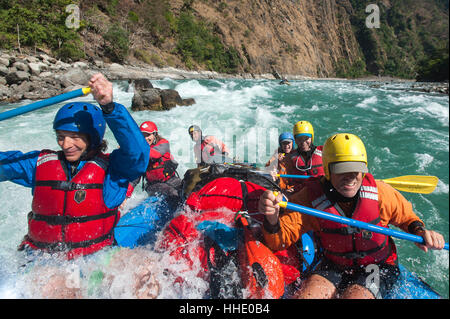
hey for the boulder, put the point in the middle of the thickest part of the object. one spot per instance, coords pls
(142, 84)
(37, 68)
(20, 66)
(45, 74)
(74, 76)
(81, 65)
(187, 102)
(17, 77)
(3, 70)
(170, 98)
(4, 61)
(4, 92)
(149, 99)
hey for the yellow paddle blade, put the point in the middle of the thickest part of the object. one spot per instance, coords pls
(86, 90)
(413, 183)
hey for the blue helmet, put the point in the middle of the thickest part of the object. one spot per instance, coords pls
(286, 136)
(83, 118)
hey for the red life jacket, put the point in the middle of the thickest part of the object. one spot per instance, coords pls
(208, 147)
(312, 168)
(155, 170)
(349, 246)
(70, 215)
(227, 192)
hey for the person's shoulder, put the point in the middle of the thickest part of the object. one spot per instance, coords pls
(384, 187)
(209, 139)
(293, 153)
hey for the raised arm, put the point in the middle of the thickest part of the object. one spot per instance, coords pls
(131, 159)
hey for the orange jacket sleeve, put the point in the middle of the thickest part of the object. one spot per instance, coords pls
(394, 208)
(286, 167)
(292, 224)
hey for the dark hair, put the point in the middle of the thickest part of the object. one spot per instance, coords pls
(99, 149)
(103, 146)
(157, 138)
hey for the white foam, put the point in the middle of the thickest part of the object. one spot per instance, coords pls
(441, 188)
(368, 103)
(423, 161)
(243, 112)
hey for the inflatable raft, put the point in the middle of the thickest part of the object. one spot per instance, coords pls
(140, 226)
(408, 286)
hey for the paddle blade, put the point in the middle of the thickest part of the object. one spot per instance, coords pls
(260, 270)
(413, 183)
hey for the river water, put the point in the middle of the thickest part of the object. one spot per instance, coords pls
(405, 132)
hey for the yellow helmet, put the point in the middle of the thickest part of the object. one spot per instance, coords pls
(344, 152)
(304, 128)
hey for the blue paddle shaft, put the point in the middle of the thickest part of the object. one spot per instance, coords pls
(41, 104)
(357, 223)
(295, 176)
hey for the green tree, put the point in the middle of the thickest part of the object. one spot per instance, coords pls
(117, 47)
(36, 23)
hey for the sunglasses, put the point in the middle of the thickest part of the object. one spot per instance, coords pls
(147, 134)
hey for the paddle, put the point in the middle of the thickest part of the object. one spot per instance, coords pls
(40, 104)
(354, 223)
(260, 269)
(407, 183)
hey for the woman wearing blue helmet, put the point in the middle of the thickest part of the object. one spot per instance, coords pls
(77, 190)
(277, 161)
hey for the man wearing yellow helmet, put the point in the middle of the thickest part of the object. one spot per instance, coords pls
(305, 160)
(347, 189)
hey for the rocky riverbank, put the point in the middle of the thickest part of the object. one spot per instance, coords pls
(40, 76)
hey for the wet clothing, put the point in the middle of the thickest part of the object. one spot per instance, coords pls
(280, 166)
(124, 164)
(393, 209)
(342, 279)
(70, 216)
(210, 150)
(350, 246)
(162, 166)
(302, 163)
(161, 177)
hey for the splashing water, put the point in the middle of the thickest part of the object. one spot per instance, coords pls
(405, 133)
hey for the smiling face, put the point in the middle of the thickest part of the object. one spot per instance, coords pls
(286, 146)
(73, 144)
(304, 143)
(149, 137)
(347, 184)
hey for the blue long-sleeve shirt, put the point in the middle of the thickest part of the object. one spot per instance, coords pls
(126, 163)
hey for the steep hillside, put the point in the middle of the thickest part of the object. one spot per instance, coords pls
(312, 38)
